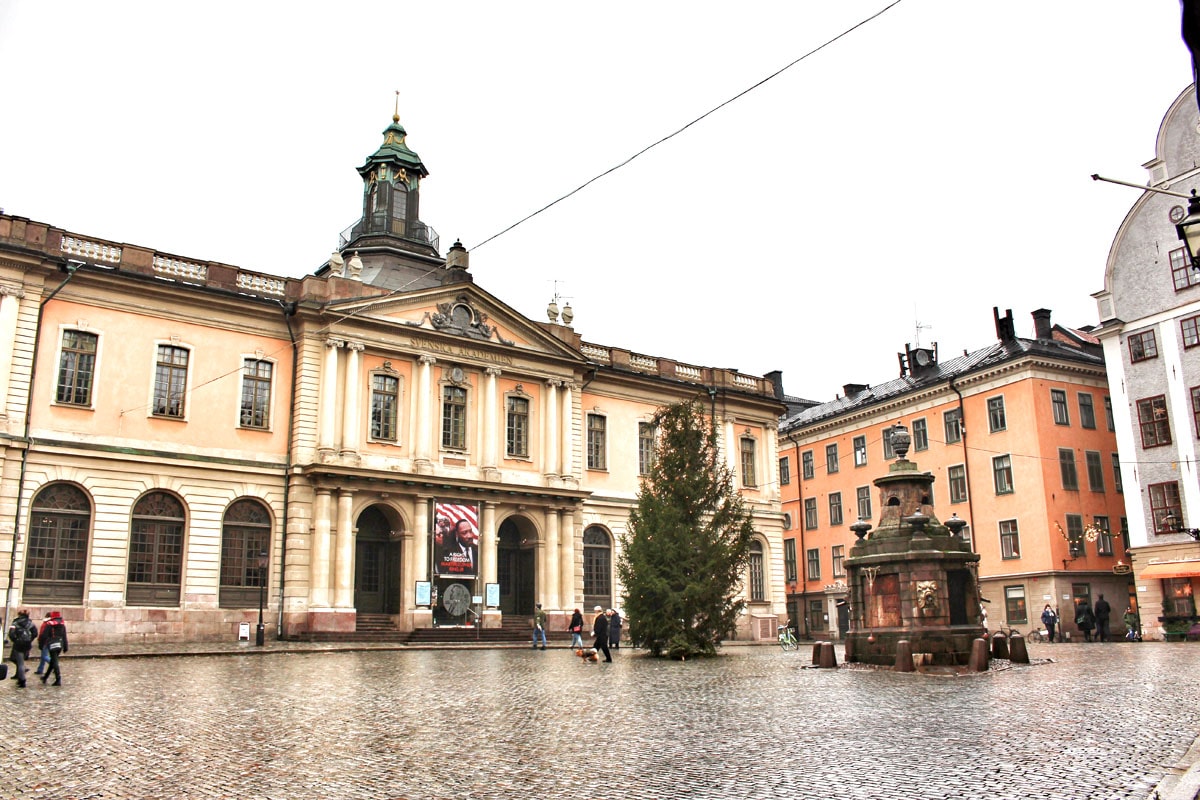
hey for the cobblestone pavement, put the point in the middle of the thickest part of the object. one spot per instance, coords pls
(1099, 721)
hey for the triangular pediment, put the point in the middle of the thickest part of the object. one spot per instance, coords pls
(459, 314)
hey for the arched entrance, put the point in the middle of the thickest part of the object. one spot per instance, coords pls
(376, 564)
(515, 566)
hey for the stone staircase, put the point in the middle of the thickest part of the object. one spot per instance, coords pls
(514, 630)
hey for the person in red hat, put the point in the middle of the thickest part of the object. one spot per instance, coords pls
(53, 638)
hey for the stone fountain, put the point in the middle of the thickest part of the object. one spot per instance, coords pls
(912, 578)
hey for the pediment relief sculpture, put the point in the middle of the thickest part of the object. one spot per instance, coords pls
(461, 318)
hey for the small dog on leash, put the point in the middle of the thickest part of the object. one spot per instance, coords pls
(589, 654)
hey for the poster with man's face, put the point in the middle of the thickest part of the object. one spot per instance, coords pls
(455, 540)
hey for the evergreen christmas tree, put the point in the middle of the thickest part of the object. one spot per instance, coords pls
(684, 554)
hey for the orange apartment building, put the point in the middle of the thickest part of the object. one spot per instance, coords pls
(1020, 438)
(184, 442)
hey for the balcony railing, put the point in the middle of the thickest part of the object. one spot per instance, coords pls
(417, 232)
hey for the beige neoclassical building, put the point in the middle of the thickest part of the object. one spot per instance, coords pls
(381, 441)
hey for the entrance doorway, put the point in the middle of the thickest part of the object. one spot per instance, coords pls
(515, 568)
(376, 565)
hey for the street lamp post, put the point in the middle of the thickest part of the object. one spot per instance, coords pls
(1188, 229)
(1175, 525)
(260, 634)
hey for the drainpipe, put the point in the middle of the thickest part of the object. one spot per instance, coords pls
(69, 266)
(962, 418)
(289, 310)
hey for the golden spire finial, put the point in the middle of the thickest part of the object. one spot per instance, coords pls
(396, 113)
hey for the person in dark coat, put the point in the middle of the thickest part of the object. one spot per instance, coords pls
(54, 639)
(22, 633)
(614, 629)
(600, 631)
(576, 628)
(1103, 611)
(1085, 619)
(1050, 621)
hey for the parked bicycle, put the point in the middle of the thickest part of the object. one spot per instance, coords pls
(787, 639)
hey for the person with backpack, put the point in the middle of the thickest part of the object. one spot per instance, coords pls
(21, 633)
(53, 638)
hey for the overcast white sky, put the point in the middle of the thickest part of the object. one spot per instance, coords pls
(926, 167)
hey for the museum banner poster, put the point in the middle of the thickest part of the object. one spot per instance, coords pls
(455, 540)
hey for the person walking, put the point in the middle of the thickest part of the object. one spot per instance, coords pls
(614, 629)
(1133, 625)
(600, 631)
(539, 626)
(1050, 621)
(1085, 619)
(1102, 611)
(53, 638)
(21, 633)
(576, 628)
(44, 660)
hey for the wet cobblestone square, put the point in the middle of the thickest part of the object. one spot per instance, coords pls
(1103, 721)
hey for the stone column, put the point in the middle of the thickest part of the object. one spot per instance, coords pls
(420, 551)
(327, 439)
(567, 444)
(772, 466)
(408, 569)
(351, 410)
(10, 303)
(343, 576)
(566, 558)
(488, 542)
(549, 592)
(732, 451)
(319, 567)
(423, 432)
(550, 460)
(491, 435)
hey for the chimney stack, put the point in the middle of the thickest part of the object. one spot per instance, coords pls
(1041, 324)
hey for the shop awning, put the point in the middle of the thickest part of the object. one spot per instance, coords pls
(1173, 569)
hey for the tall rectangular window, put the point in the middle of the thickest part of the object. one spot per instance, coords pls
(1196, 409)
(920, 435)
(597, 433)
(839, 556)
(749, 478)
(889, 452)
(1002, 474)
(646, 448)
(516, 427)
(256, 393)
(1190, 330)
(1010, 539)
(952, 422)
(1110, 422)
(1015, 610)
(454, 418)
(76, 368)
(806, 465)
(814, 564)
(835, 508)
(1104, 542)
(1095, 470)
(789, 560)
(863, 496)
(831, 459)
(1116, 462)
(1142, 346)
(1087, 412)
(385, 405)
(1164, 502)
(170, 381)
(996, 419)
(785, 471)
(1182, 274)
(957, 477)
(1153, 421)
(1066, 466)
(1058, 404)
(810, 513)
(1075, 535)
(860, 451)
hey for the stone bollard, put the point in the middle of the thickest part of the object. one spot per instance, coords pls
(816, 656)
(999, 646)
(979, 656)
(904, 657)
(1018, 653)
(828, 657)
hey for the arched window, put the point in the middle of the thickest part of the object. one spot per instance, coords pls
(597, 568)
(758, 591)
(155, 551)
(245, 534)
(59, 529)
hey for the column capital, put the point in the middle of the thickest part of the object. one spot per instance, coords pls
(495, 372)
(554, 382)
(334, 342)
(427, 359)
(356, 346)
(12, 291)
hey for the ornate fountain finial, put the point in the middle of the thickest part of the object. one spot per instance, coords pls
(396, 113)
(901, 441)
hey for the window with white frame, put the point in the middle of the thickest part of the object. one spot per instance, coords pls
(952, 423)
(385, 407)
(956, 475)
(920, 435)
(1002, 474)
(807, 468)
(749, 476)
(1104, 542)
(516, 427)
(1058, 404)
(814, 564)
(789, 560)
(597, 434)
(863, 496)
(1010, 539)
(758, 585)
(835, 508)
(1087, 412)
(645, 447)
(454, 417)
(785, 471)
(839, 557)
(860, 451)
(810, 513)
(831, 458)
(76, 368)
(170, 381)
(996, 418)
(1116, 464)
